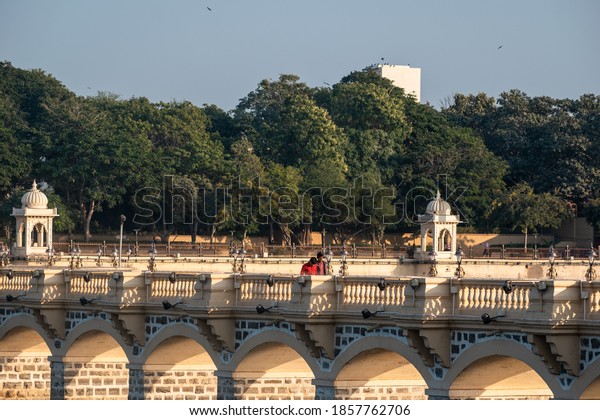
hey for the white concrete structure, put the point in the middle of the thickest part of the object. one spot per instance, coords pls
(34, 224)
(439, 224)
(405, 77)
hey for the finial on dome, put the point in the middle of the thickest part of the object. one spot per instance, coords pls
(438, 196)
(34, 186)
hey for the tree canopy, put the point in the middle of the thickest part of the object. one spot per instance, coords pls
(359, 157)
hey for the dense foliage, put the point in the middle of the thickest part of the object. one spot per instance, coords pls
(359, 157)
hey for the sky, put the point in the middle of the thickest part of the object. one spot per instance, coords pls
(180, 50)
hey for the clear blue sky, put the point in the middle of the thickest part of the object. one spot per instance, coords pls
(179, 50)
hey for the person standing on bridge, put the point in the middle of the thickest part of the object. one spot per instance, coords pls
(310, 268)
(321, 265)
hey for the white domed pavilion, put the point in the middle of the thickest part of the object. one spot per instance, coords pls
(34, 224)
(438, 230)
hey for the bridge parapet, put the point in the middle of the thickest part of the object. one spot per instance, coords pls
(551, 300)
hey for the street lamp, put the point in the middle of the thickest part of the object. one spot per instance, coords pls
(99, 254)
(344, 255)
(152, 252)
(459, 254)
(328, 257)
(590, 274)
(5, 256)
(50, 252)
(233, 253)
(136, 241)
(433, 269)
(242, 256)
(115, 254)
(551, 257)
(72, 251)
(79, 263)
(123, 218)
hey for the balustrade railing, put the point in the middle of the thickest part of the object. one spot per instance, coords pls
(398, 296)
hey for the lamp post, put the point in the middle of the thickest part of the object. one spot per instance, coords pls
(233, 254)
(152, 252)
(459, 256)
(433, 269)
(72, 253)
(590, 274)
(136, 241)
(551, 258)
(328, 257)
(50, 252)
(99, 254)
(123, 218)
(115, 254)
(344, 256)
(78, 263)
(242, 256)
(5, 256)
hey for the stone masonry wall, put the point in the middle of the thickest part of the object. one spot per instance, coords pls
(180, 385)
(24, 378)
(96, 381)
(274, 389)
(381, 392)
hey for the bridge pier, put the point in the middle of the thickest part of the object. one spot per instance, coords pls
(324, 389)
(437, 393)
(57, 378)
(136, 382)
(225, 385)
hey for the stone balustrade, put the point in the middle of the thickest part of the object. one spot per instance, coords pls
(193, 330)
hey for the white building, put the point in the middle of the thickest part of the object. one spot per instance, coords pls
(405, 77)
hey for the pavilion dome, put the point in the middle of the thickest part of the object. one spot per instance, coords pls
(439, 206)
(34, 199)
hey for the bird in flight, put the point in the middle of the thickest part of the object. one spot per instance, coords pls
(500, 46)
(209, 9)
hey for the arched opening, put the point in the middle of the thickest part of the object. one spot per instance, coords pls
(444, 242)
(428, 238)
(273, 371)
(499, 377)
(95, 368)
(24, 366)
(179, 368)
(592, 392)
(37, 235)
(379, 374)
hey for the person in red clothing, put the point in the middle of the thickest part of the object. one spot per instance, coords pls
(310, 268)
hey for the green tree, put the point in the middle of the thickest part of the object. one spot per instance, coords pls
(521, 208)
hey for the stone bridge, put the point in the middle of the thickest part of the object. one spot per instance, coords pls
(192, 329)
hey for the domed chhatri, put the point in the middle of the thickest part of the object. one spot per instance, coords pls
(34, 224)
(438, 206)
(34, 199)
(438, 230)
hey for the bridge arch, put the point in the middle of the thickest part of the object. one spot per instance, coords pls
(500, 369)
(587, 385)
(25, 321)
(24, 353)
(179, 363)
(273, 365)
(95, 360)
(380, 367)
